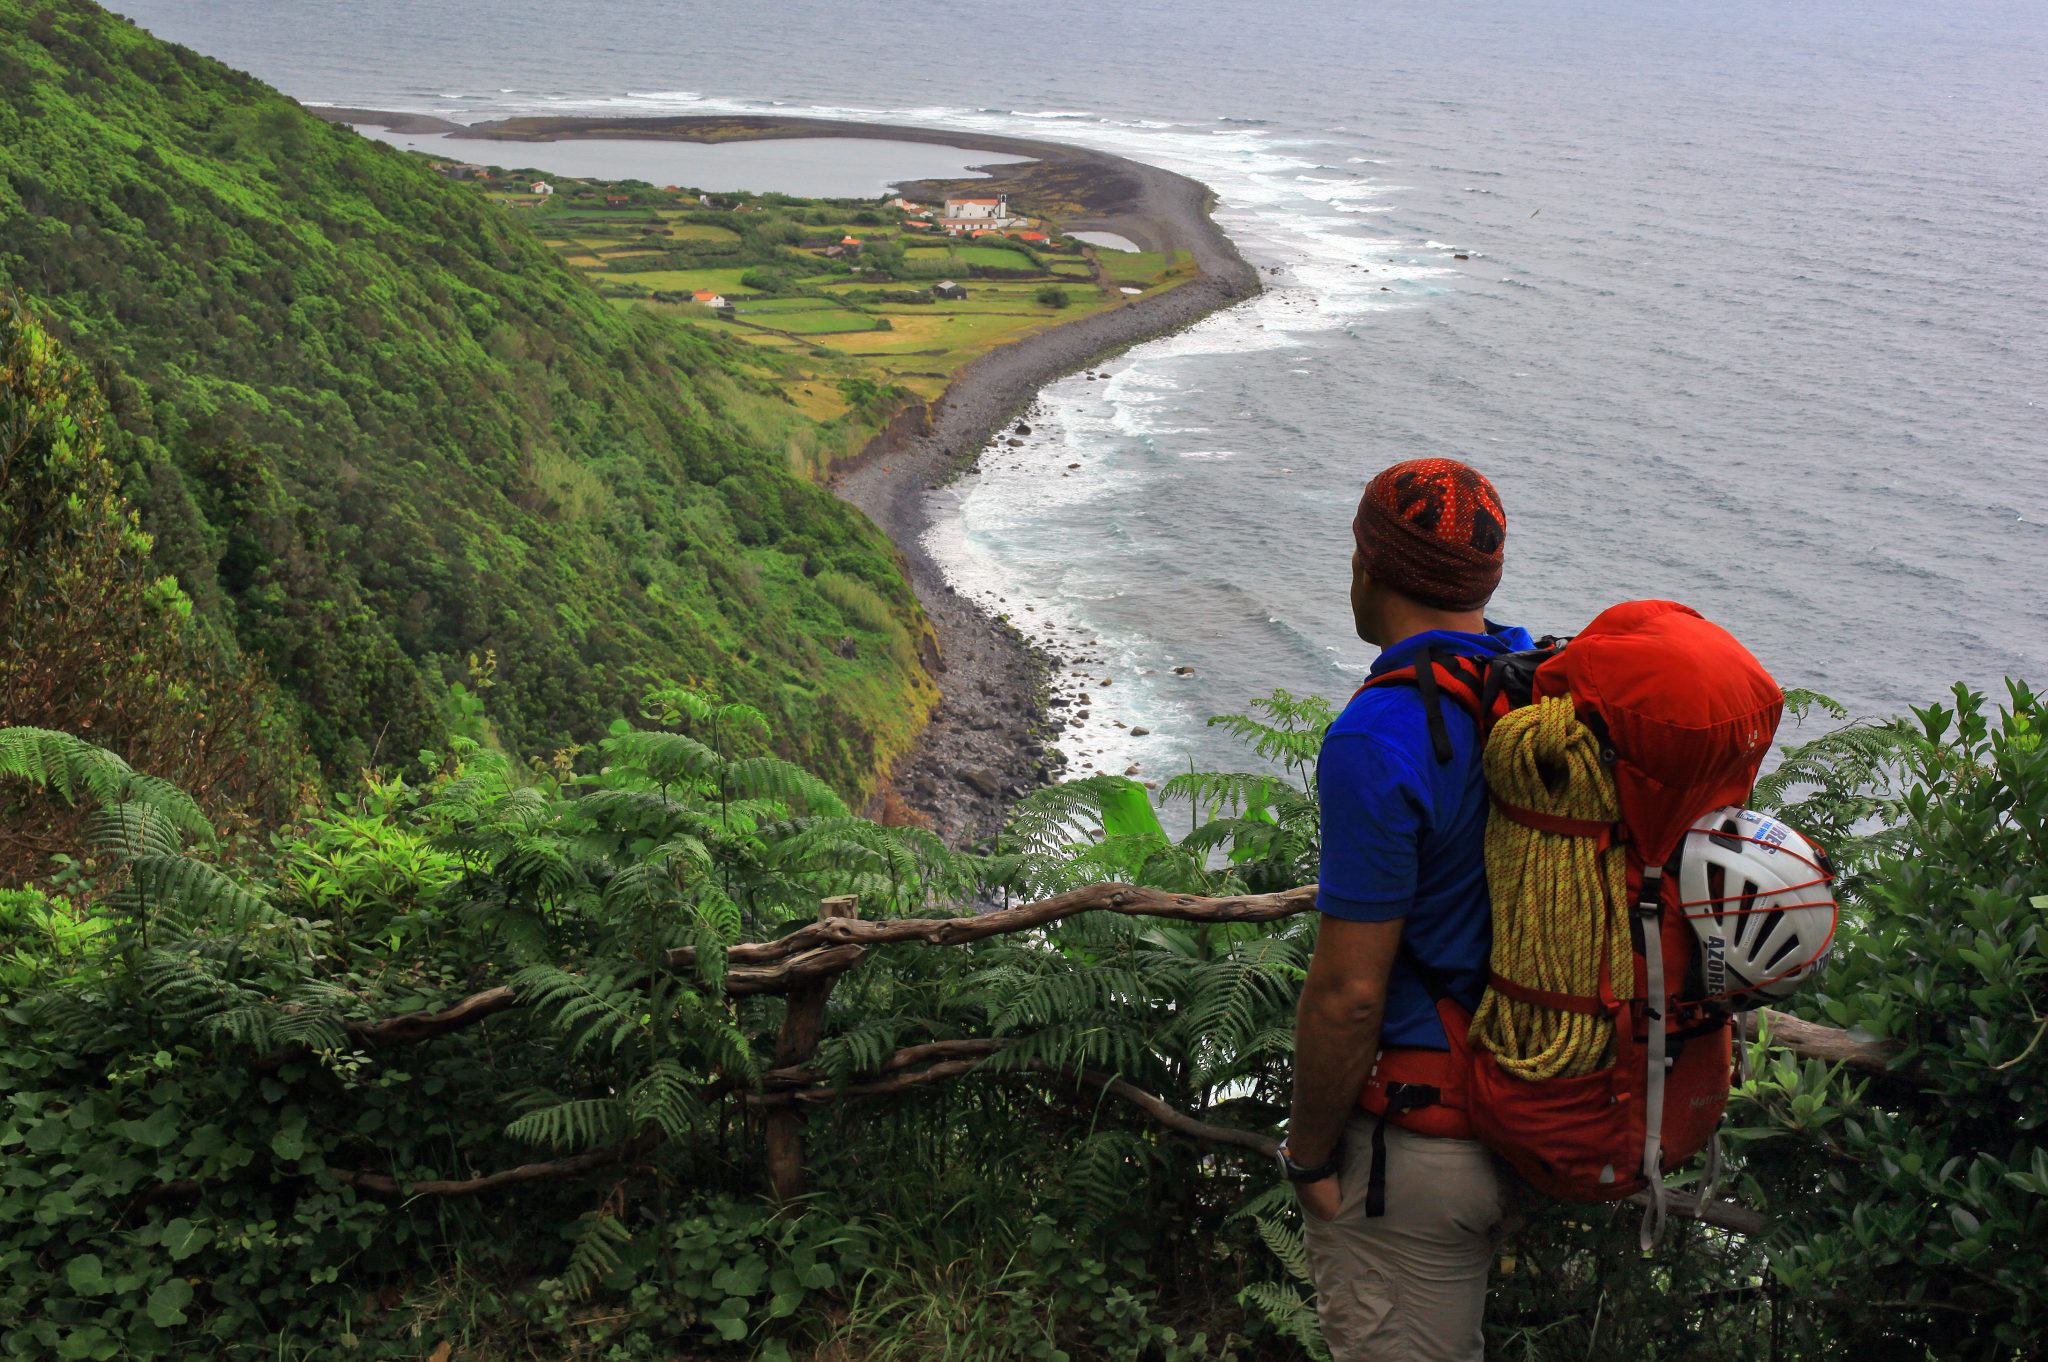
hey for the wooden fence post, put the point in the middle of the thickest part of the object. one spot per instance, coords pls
(801, 1025)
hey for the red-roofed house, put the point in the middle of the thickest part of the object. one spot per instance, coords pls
(1038, 238)
(707, 297)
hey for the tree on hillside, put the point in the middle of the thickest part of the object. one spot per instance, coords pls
(93, 638)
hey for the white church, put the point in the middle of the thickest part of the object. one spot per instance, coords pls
(967, 215)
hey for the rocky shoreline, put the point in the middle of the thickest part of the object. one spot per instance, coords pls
(990, 737)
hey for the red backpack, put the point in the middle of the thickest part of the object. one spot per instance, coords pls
(1684, 715)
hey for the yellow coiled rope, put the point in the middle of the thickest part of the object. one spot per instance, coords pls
(1559, 901)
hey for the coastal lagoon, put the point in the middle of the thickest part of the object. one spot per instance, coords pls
(1739, 304)
(808, 167)
(1108, 240)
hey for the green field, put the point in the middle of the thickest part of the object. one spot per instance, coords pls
(994, 257)
(700, 231)
(1141, 267)
(685, 281)
(772, 305)
(826, 322)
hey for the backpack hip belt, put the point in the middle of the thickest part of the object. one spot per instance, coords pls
(1424, 1090)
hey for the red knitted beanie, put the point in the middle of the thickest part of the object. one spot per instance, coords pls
(1433, 530)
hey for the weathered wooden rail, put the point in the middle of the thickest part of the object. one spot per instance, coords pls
(806, 963)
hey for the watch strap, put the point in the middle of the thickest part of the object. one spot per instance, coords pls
(1296, 1173)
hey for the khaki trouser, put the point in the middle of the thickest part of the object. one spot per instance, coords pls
(1408, 1285)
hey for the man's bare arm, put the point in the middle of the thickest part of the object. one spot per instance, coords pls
(1337, 1030)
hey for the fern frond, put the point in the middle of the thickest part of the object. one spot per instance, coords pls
(1211, 793)
(1284, 1240)
(578, 1124)
(1101, 1175)
(601, 1006)
(190, 894)
(665, 758)
(787, 784)
(665, 1097)
(1291, 1316)
(598, 1239)
(74, 767)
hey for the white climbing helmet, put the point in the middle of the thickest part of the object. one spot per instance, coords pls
(1756, 893)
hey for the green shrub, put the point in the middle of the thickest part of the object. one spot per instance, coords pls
(196, 1120)
(1916, 1209)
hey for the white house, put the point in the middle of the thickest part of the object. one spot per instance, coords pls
(967, 215)
(971, 214)
(543, 188)
(977, 210)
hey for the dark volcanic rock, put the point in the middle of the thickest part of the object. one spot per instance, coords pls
(985, 401)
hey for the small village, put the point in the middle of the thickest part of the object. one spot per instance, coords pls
(894, 291)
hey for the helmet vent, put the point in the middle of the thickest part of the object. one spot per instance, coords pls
(1754, 892)
(1786, 946)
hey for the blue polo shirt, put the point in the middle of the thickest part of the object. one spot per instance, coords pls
(1404, 834)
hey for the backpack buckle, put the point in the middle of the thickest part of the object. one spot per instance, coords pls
(1403, 1097)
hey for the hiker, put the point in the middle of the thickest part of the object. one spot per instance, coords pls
(1400, 1218)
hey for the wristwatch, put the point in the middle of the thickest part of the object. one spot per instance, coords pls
(1294, 1172)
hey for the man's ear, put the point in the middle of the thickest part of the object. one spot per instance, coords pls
(1361, 599)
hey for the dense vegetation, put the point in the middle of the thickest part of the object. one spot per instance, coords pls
(213, 1148)
(93, 640)
(380, 433)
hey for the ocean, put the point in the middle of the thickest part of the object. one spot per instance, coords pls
(1739, 304)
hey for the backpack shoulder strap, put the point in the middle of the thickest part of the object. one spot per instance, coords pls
(1438, 675)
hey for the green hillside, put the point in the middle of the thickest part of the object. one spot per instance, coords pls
(379, 430)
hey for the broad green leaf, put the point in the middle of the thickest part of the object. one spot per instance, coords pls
(182, 1239)
(85, 1275)
(167, 1303)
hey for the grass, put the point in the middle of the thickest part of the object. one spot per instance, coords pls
(686, 281)
(822, 323)
(994, 257)
(701, 231)
(772, 305)
(1143, 267)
